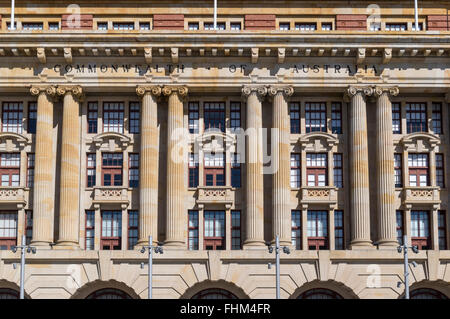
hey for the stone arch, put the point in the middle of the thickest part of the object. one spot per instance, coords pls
(337, 287)
(219, 284)
(8, 285)
(439, 286)
(91, 287)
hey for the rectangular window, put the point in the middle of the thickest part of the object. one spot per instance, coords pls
(416, 117)
(317, 230)
(420, 229)
(145, 26)
(112, 165)
(32, 117)
(10, 169)
(214, 225)
(214, 169)
(214, 115)
(32, 26)
(285, 26)
(339, 229)
(235, 116)
(235, 26)
(398, 171)
(316, 169)
(375, 26)
(440, 170)
(92, 117)
(442, 230)
(8, 229)
(193, 114)
(296, 229)
(396, 118)
(12, 114)
(53, 26)
(102, 26)
(295, 171)
(316, 117)
(294, 113)
(28, 226)
(90, 230)
(134, 117)
(91, 169)
(193, 170)
(133, 170)
(400, 228)
(30, 169)
(113, 117)
(337, 170)
(133, 228)
(420, 26)
(111, 238)
(210, 26)
(306, 26)
(193, 229)
(236, 170)
(336, 118)
(123, 26)
(235, 229)
(396, 26)
(418, 170)
(436, 119)
(327, 26)
(193, 26)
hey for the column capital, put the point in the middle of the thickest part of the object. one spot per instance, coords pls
(49, 90)
(260, 90)
(182, 91)
(75, 90)
(380, 90)
(286, 90)
(354, 90)
(154, 90)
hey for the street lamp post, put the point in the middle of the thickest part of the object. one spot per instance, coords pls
(404, 248)
(150, 248)
(277, 263)
(22, 248)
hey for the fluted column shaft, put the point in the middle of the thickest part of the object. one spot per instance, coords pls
(254, 167)
(148, 188)
(176, 216)
(385, 168)
(70, 167)
(359, 168)
(43, 201)
(281, 216)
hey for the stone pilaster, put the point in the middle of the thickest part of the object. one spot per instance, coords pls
(70, 167)
(385, 168)
(43, 201)
(359, 167)
(148, 181)
(254, 167)
(281, 215)
(176, 227)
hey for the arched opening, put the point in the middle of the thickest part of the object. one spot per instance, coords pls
(109, 293)
(6, 293)
(319, 293)
(214, 293)
(426, 293)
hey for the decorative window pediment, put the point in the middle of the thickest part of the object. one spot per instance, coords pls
(110, 141)
(420, 142)
(318, 142)
(214, 141)
(10, 142)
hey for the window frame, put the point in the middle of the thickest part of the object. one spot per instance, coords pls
(400, 225)
(194, 117)
(440, 171)
(311, 117)
(10, 170)
(214, 115)
(419, 170)
(214, 170)
(396, 118)
(295, 117)
(112, 170)
(336, 117)
(12, 115)
(132, 167)
(398, 170)
(235, 116)
(317, 170)
(295, 158)
(31, 161)
(236, 170)
(339, 228)
(436, 122)
(111, 127)
(193, 170)
(194, 228)
(131, 228)
(111, 241)
(442, 229)
(216, 242)
(134, 117)
(236, 228)
(9, 241)
(297, 228)
(28, 226)
(421, 241)
(337, 169)
(32, 117)
(90, 168)
(319, 242)
(87, 228)
(411, 126)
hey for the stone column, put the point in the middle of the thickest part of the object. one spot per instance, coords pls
(254, 167)
(385, 168)
(43, 201)
(176, 224)
(359, 168)
(148, 162)
(70, 167)
(281, 188)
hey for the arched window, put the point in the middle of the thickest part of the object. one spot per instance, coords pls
(108, 293)
(214, 294)
(425, 293)
(320, 293)
(6, 293)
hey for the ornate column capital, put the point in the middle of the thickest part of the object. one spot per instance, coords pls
(182, 91)
(380, 90)
(154, 90)
(260, 90)
(352, 91)
(286, 90)
(75, 90)
(49, 90)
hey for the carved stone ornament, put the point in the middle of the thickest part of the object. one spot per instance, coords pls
(49, 90)
(261, 91)
(75, 90)
(182, 91)
(154, 90)
(286, 90)
(354, 90)
(393, 90)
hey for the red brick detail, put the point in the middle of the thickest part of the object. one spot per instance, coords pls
(259, 22)
(168, 21)
(69, 22)
(351, 22)
(438, 23)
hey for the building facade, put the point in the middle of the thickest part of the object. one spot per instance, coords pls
(324, 125)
